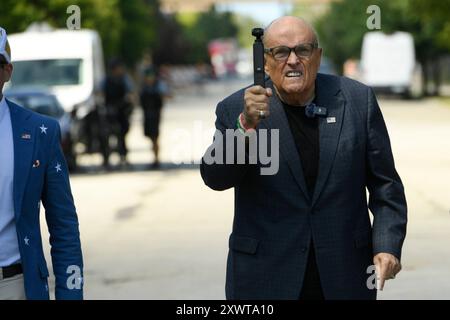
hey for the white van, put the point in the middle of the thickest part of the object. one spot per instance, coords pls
(388, 63)
(68, 62)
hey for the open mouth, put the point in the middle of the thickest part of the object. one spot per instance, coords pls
(294, 74)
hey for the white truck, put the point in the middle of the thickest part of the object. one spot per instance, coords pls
(388, 63)
(68, 62)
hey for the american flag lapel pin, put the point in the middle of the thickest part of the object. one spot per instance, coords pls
(26, 136)
(36, 164)
(331, 119)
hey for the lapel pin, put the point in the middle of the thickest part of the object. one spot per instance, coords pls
(36, 164)
(331, 119)
(43, 129)
(26, 136)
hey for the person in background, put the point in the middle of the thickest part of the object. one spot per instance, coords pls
(154, 91)
(118, 101)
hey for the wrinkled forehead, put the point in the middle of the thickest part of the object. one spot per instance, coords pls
(290, 33)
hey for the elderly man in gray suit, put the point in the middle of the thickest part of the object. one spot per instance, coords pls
(305, 231)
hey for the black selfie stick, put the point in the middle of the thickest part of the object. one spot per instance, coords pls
(258, 57)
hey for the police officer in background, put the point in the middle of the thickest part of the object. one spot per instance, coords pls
(117, 90)
(153, 93)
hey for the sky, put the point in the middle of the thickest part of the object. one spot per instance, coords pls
(263, 12)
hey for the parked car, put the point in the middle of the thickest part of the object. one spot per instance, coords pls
(43, 101)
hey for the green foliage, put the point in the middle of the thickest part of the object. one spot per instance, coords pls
(140, 20)
(171, 45)
(126, 27)
(204, 28)
(245, 25)
(131, 28)
(434, 17)
(342, 28)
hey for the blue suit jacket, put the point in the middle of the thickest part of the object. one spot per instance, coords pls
(275, 217)
(40, 174)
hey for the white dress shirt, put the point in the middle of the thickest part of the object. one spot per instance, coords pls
(9, 246)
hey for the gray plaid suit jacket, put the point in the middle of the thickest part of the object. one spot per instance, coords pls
(275, 217)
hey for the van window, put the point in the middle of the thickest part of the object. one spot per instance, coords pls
(55, 72)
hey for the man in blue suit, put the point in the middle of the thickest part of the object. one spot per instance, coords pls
(33, 169)
(305, 232)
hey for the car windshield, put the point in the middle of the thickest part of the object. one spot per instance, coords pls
(47, 72)
(43, 104)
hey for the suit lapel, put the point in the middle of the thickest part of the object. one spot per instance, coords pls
(328, 96)
(278, 120)
(24, 140)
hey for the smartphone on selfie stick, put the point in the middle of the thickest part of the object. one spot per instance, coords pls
(258, 58)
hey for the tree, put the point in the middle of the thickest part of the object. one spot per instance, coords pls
(127, 28)
(342, 29)
(138, 33)
(172, 46)
(17, 15)
(435, 13)
(204, 28)
(245, 24)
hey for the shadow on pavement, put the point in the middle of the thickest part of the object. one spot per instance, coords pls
(135, 167)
